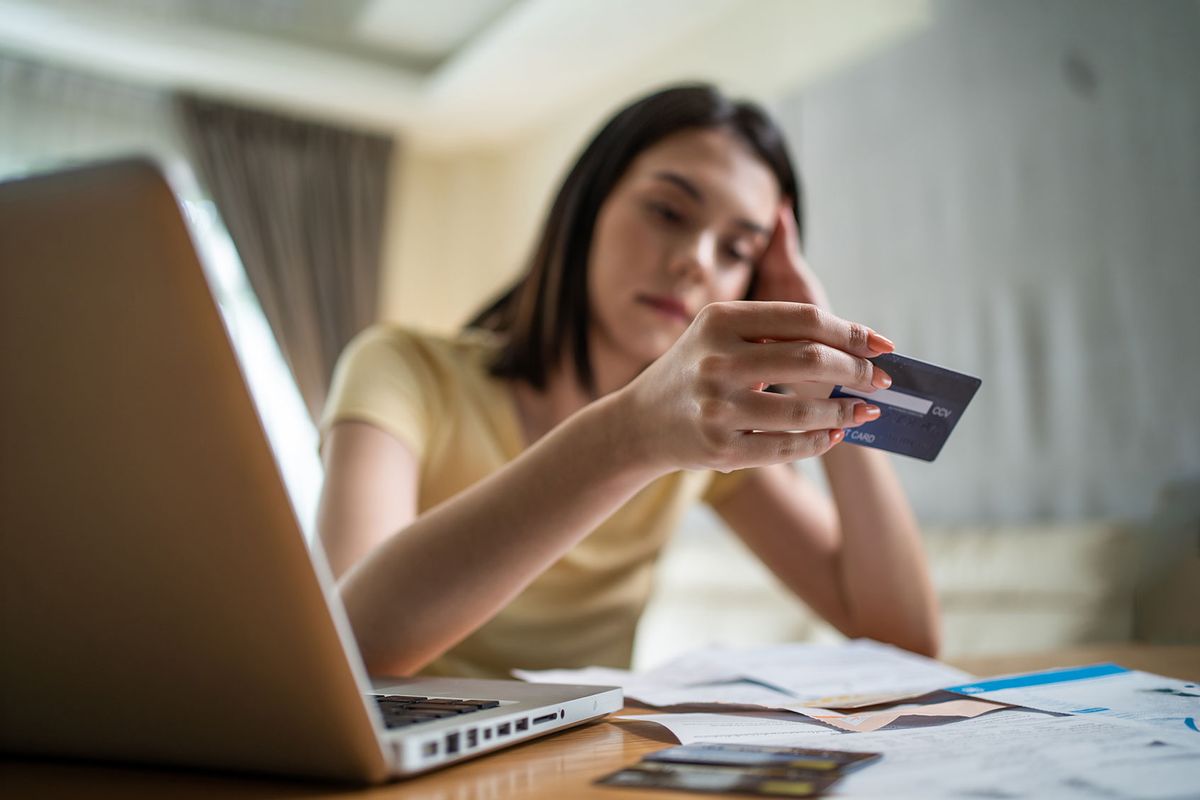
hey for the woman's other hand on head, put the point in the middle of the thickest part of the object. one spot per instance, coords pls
(783, 273)
(699, 406)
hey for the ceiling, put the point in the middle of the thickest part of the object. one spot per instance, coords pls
(456, 73)
(411, 36)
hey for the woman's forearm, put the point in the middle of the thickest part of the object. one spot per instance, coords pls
(426, 588)
(881, 561)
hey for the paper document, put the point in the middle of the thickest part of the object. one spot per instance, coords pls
(790, 676)
(931, 708)
(1104, 690)
(1007, 754)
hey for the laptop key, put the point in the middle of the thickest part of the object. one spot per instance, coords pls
(436, 713)
(403, 722)
(459, 709)
(403, 710)
(399, 720)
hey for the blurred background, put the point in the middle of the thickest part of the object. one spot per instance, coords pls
(1011, 189)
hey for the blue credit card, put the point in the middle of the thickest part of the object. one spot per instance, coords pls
(919, 410)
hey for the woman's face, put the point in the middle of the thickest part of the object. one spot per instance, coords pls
(682, 228)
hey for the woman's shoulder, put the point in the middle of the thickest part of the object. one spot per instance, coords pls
(389, 346)
(406, 380)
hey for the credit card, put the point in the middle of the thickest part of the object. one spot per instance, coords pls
(783, 773)
(740, 755)
(919, 410)
(715, 780)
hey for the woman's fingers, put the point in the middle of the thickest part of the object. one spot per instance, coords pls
(796, 362)
(767, 447)
(752, 320)
(696, 404)
(762, 411)
(775, 257)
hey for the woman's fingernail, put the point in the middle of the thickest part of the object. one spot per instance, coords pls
(836, 436)
(879, 344)
(864, 412)
(880, 379)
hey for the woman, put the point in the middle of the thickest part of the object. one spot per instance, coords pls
(498, 500)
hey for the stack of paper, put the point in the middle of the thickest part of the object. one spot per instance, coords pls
(1093, 732)
(1100, 690)
(1009, 754)
(849, 675)
(822, 682)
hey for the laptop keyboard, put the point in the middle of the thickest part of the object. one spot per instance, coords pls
(400, 711)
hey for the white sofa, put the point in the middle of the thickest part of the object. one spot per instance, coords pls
(1003, 589)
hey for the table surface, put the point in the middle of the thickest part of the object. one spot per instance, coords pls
(562, 765)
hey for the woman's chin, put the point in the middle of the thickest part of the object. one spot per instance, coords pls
(644, 344)
(652, 346)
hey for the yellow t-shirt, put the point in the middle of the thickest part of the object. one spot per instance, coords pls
(436, 396)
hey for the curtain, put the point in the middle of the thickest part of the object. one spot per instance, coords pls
(304, 204)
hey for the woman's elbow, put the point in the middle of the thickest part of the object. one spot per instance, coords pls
(380, 655)
(928, 645)
(921, 639)
(384, 665)
(375, 642)
(924, 640)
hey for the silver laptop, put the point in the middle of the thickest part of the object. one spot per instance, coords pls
(159, 601)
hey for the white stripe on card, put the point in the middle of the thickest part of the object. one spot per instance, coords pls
(893, 398)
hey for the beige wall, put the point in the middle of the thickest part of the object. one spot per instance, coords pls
(461, 224)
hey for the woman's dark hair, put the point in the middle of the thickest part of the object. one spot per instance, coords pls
(547, 309)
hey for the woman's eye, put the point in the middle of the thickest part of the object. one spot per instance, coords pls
(666, 213)
(738, 255)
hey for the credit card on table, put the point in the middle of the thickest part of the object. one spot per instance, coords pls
(717, 780)
(735, 755)
(919, 410)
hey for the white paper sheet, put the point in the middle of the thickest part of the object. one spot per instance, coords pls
(776, 676)
(836, 676)
(1101, 690)
(1006, 754)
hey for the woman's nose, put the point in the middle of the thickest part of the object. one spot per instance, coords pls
(696, 257)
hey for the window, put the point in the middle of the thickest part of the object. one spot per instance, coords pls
(284, 416)
(52, 118)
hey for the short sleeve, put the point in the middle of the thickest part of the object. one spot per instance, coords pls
(723, 485)
(384, 378)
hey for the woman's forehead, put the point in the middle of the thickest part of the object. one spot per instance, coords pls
(721, 169)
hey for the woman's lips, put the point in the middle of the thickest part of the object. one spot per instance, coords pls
(668, 306)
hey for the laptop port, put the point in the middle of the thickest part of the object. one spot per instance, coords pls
(503, 729)
(451, 743)
(430, 749)
(544, 718)
(472, 738)
(523, 724)
(487, 733)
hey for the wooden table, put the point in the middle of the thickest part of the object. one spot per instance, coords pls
(561, 766)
